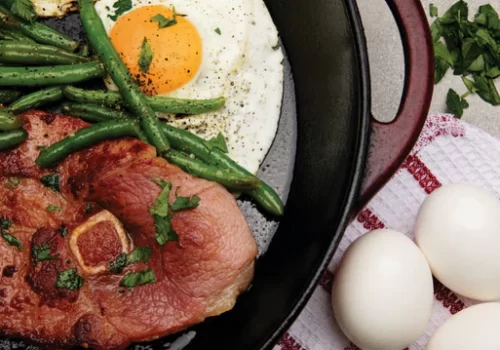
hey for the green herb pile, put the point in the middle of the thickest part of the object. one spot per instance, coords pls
(471, 49)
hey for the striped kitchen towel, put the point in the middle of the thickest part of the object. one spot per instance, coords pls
(448, 151)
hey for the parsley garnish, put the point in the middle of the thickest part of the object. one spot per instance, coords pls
(471, 49)
(23, 9)
(183, 203)
(120, 7)
(455, 103)
(119, 264)
(160, 206)
(5, 224)
(69, 279)
(63, 231)
(140, 278)
(52, 207)
(42, 253)
(159, 211)
(164, 232)
(88, 208)
(217, 142)
(13, 181)
(11, 240)
(217, 30)
(164, 22)
(433, 10)
(146, 56)
(139, 254)
(51, 181)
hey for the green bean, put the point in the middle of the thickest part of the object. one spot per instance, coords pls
(84, 50)
(132, 96)
(162, 104)
(14, 35)
(166, 104)
(88, 117)
(197, 168)
(50, 75)
(89, 111)
(100, 97)
(264, 195)
(9, 121)
(36, 99)
(7, 96)
(85, 138)
(37, 31)
(12, 138)
(17, 52)
(187, 142)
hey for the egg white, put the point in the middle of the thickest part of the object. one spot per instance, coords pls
(53, 8)
(243, 63)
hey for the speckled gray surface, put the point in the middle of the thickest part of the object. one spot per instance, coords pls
(387, 70)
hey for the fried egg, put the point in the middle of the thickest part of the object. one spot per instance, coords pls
(54, 8)
(217, 48)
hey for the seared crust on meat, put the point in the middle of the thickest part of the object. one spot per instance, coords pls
(198, 276)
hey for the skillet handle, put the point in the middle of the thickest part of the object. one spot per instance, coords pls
(390, 143)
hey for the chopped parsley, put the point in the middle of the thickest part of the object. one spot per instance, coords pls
(218, 142)
(470, 49)
(146, 56)
(119, 264)
(13, 181)
(455, 103)
(139, 254)
(164, 22)
(52, 207)
(51, 181)
(63, 231)
(69, 279)
(433, 11)
(42, 253)
(88, 208)
(23, 9)
(5, 224)
(183, 203)
(160, 206)
(164, 232)
(11, 240)
(217, 30)
(120, 7)
(140, 278)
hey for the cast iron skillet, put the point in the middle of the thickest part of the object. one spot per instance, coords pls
(338, 147)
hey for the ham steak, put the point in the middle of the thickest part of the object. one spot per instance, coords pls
(58, 288)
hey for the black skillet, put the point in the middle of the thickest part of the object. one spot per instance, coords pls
(338, 149)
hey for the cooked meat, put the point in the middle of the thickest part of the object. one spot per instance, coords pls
(102, 212)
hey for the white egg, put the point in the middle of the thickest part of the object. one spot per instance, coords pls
(241, 61)
(474, 328)
(382, 294)
(458, 230)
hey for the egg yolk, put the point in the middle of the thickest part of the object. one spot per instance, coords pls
(176, 48)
